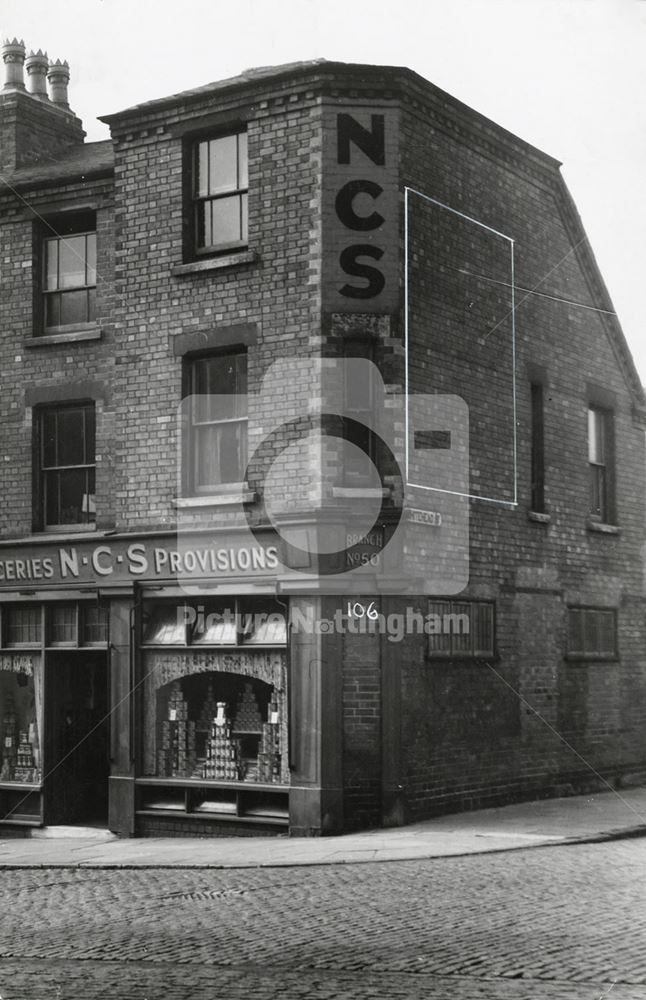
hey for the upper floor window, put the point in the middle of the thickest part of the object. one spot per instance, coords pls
(538, 453)
(69, 273)
(67, 466)
(220, 183)
(218, 421)
(358, 406)
(601, 462)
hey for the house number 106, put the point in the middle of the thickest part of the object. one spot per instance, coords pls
(357, 610)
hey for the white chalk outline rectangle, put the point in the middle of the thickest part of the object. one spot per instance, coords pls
(472, 496)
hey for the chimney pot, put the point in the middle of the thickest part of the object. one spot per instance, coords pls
(13, 55)
(58, 77)
(37, 65)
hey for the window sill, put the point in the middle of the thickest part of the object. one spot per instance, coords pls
(591, 658)
(603, 529)
(457, 659)
(215, 500)
(215, 263)
(67, 529)
(367, 492)
(538, 517)
(65, 335)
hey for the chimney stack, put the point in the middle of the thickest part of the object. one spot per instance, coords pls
(58, 78)
(37, 65)
(13, 55)
(36, 123)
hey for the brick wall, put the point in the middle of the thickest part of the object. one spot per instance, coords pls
(469, 732)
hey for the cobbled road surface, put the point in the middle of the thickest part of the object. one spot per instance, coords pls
(557, 923)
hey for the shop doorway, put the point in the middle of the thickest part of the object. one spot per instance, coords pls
(77, 738)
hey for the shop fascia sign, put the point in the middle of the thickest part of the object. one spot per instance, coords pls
(121, 560)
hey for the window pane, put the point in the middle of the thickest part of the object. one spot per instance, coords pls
(590, 632)
(90, 434)
(51, 264)
(51, 486)
(72, 262)
(596, 443)
(21, 698)
(221, 454)
(202, 168)
(88, 508)
(166, 625)
(53, 310)
(91, 305)
(73, 307)
(225, 221)
(217, 625)
(73, 489)
(221, 388)
(575, 631)
(243, 180)
(94, 623)
(71, 436)
(204, 235)
(90, 276)
(439, 641)
(23, 625)
(461, 626)
(482, 624)
(223, 164)
(607, 630)
(598, 490)
(62, 623)
(50, 453)
(244, 219)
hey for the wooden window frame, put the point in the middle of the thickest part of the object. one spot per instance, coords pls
(239, 192)
(454, 652)
(42, 470)
(594, 614)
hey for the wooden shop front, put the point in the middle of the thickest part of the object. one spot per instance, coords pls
(153, 685)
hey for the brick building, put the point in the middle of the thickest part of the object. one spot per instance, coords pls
(215, 614)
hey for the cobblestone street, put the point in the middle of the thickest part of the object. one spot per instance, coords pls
(545, 924)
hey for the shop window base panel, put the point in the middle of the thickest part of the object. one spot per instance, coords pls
(21, 805)
(213, 801)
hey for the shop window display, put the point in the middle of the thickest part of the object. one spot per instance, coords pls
(21, 694)
(214, 701)
(220, 727)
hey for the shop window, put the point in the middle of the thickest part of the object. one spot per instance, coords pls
(220, 185)
(22, 626)
(601, 463)
(461, 629)
(69, 273)
(217, 726)
(218, 421)
(240, 622)
(66, 480)
(592, 633)
(21, 705)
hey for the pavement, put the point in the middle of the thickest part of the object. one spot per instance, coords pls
(548, 822)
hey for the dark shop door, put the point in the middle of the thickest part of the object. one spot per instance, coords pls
(77, 762)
